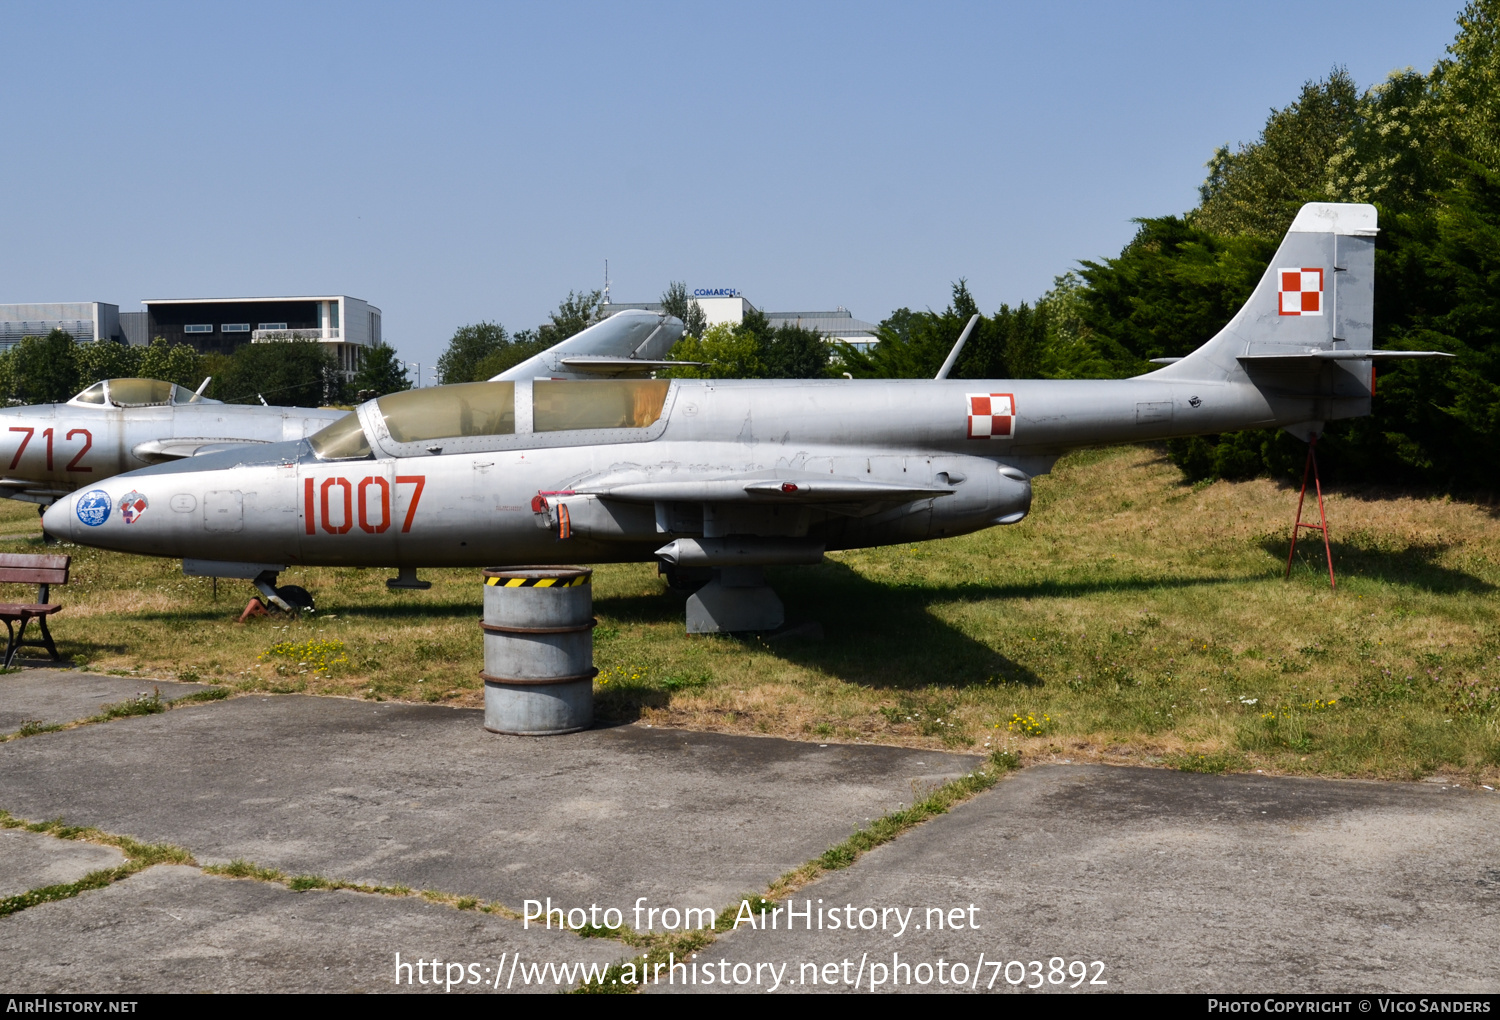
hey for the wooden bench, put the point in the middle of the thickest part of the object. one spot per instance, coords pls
(44, 572)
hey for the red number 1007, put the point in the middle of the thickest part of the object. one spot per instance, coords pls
(339, 497)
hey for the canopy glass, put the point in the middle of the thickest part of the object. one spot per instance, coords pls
(137, 393)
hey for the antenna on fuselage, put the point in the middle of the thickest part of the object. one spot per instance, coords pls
(202, 386)
(606, 281)
(957, 348)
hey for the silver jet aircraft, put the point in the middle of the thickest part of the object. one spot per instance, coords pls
(121, 424)
(735, 475)
(630, 343)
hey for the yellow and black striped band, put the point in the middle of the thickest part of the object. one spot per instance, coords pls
(537, 582)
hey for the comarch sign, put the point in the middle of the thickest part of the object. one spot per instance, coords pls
(716, 292)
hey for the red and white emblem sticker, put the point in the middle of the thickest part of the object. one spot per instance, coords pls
(1300, 291)
(991, 415)
(132, 505)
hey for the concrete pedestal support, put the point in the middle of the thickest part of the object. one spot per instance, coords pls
(737, 599)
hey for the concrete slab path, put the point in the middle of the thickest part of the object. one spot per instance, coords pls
(1176, 882)
(422, 796)
(56, 696)
(174, 929)
(31, 860)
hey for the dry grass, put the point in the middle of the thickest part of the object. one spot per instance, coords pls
(1144, 618)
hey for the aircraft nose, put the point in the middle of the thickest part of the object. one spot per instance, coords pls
(57, 520)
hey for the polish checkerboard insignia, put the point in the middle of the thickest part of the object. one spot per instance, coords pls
(991, 415)
(1300, 291)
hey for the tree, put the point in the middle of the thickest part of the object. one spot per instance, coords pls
(791, 351)
(576, 313)
(44, 369)
(1426, 148)
(1466, 86)
(1008, 345)
(1394, 153)
(380, 372)
(1072, 349)
(1171, 289)
(470, 345)
(524, 344)
(913, 345)
(787, 351)
(106, 359)
(677, 302)
(175, 363)
(753, 349)
(1258, 189)
(292, 372)
(726, 353)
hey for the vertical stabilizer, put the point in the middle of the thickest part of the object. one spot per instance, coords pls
(1318, 294)
(1307, 327)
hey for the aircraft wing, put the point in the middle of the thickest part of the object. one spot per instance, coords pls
(598, 364)
(30, 491)
(817, 490)
(158, 450)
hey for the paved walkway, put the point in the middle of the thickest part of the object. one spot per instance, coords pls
(56, 696)
(1175, 882)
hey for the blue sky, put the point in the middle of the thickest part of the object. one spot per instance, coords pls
(458, 162)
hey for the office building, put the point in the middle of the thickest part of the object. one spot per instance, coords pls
(85, 320)
(222, 325)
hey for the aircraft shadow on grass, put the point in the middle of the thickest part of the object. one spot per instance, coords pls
(1415, 566)
(883, 635)
(414, 609)
(70, 650)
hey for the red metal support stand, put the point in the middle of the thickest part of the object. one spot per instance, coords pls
(1311, 467)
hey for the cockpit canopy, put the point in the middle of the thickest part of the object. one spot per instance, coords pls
(138, 393)
(468, 410)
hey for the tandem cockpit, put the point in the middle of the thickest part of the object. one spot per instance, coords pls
(480, 416)
(140, 393)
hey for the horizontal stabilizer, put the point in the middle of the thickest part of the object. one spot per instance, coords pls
(599, 364)
(1315, 356)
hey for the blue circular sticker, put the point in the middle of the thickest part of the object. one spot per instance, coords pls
(93, 508)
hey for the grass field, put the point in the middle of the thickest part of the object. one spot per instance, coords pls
(1129, 618)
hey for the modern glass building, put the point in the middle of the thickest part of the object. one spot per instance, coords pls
(348, 325)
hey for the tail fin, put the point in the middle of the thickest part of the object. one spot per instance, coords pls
(629, 342)
(1308, 329)
(1318, 294)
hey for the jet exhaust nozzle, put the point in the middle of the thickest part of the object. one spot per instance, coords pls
(739, 552)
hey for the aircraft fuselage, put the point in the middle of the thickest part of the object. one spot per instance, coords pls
(914, 459)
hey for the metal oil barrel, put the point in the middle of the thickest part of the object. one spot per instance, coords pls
(538, 650)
